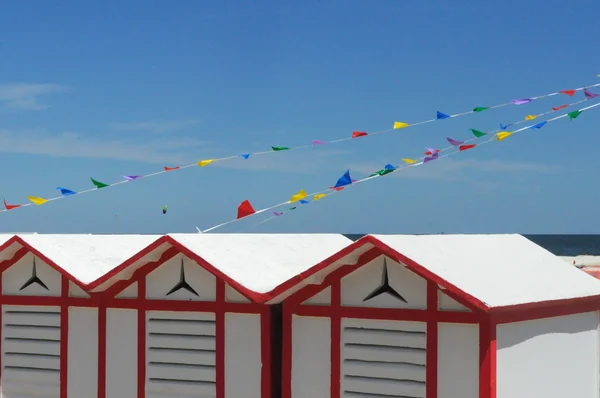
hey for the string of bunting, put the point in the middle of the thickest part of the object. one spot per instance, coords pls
(480, 138)
(66, 192)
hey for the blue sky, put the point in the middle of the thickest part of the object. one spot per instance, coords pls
(113, 88)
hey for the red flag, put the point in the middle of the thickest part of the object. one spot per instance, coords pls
(570, 93)
(558, 108)
(429, 153)
(356, 134)
(245, 209)
(171, 168)
(465, 147)
(10, 207)
(336, 189)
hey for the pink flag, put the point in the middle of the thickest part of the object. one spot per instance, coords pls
(521, 101)
(318, 142)
(454, 142)
(589, 94)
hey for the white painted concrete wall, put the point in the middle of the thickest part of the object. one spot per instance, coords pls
(121, 353)
(458, 361)
(311, 363)
(83, 353)
(242, 356)
(30, 351)
(446, 303)
(233, 296)
(160, 281)
(321, 298)
(14, 278)
(549, 358)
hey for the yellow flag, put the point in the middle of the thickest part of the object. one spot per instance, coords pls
(203, 163)
(36, 200)
(400, 125)
(298, 196)
(409, 161)
(502, 135)
(319, 196)
(530, 117)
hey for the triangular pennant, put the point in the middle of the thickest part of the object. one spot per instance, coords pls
(318, 142)
(505, 127)
(477, 133)
(344, 180)
(300, 195)
(503, 135)
(65, 191)
(336, 189)
(465, 147)
(356, 134)
(521, 101)
(454, 142)
(530, 117)
(480, 109)
(408, 161)
(98, 184)
(319, 196)
(570, 93)
(10, 207)
(441, 115)
(244, 155)
(433, 154)
(400, 125)
(293, 208)
(429, 152)
(539, 125)
(279, 148)
(304, 201)
(131, 178)
(245, 209)
(574, 114)
(589, 94)
(558, 108)
(390, 167)
(37, 200)
(203, 163)
(171, 168)
(277, 214)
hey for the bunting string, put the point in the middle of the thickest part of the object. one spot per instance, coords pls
(245, 209)
(65, 192)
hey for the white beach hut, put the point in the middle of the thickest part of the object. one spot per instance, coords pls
(448, 316)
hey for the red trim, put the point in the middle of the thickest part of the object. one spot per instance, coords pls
(47, 301)
(431, 369)
(64, 337)
(102, 351)
(141, 343)
(392, 314)
(220, 339)
(265, 352)
(545, 309)
(336, 339)
(487, 359)
(286, 351)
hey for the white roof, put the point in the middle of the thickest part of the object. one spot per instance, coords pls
(261, 262)
(88, 257)
(499, 270)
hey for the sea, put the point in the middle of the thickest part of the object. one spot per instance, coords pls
(559, 245)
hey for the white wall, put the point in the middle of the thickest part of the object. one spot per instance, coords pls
(321, 298)
(160, 281)
(121, 353)
(311, 363)
(383, 358)
(242, 356)
(30, 351)
(458, 361)
(446, 303)
(18, 274)
(360, 283)
(549, 358)
(233, 296)
(83, 353)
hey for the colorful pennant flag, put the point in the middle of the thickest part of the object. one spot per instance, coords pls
(65, 191)
(465, 147)
(429, 152)
(400, 125)
(454, 142)
(441, 116)
(344, 180)
(279, 148)
(539, 125)
(480, 109)
(244, 155)
(409, 161)
(203, 163)
(574, 114)
(558, 108)
(477, 133)
(98, 184)
(319, 196)
(318, 142)
(277, 214)
(37, 200)
(570, 93)
(503, 135)
(356, 134)
(530, 117)
(298, 196)
(171, 168)
(589, 94)
(434, 154)
(131, 178)
(10, 207)
(522, 101)
(304, 201)
(245, 209)
(505, 127)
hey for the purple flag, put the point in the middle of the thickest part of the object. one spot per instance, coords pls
(434, 155)
(454, 142)
(131, 178)
(318, 142)
(589, 94)
(277, 214)
(521, 101)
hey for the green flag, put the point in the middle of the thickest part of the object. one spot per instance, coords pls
(574, 114)
(98, 184)
(480, 109)
(477, 133)
(279, 148)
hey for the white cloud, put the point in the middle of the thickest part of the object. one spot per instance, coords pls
(154, 126)
(25, 95)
